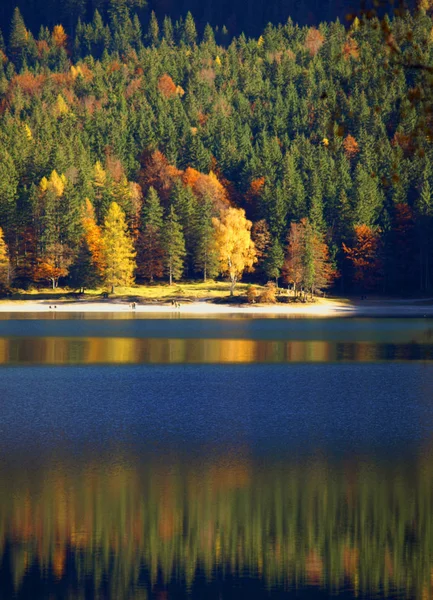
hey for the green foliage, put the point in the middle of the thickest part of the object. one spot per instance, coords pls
(327, 132)
(174, 246)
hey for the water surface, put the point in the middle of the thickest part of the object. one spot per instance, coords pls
(220, 459)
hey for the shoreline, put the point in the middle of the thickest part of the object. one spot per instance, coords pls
(322, 308)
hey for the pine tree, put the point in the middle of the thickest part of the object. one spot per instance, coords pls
(274, 261)
(174, 246)
(119, 251)
(153, 30)
(190, 31)
(18, 39)
(205, 254)
(167, 30)
(150, 261)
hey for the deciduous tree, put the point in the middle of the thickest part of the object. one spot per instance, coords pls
(119, 253)
(236, 250)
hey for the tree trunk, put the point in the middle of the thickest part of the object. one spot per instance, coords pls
(53, 283)
(232, 287)
(204, 274)
(171, 276)
(112, 289)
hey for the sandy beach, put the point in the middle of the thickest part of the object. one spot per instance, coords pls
(322, 308)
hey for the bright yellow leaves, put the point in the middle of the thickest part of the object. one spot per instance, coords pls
(118, 248)
(60, 107)
(4, 261)
(93, 236)
(59, 36)
(28, 132)
(235, 248)
(99, 175)
(56, 184)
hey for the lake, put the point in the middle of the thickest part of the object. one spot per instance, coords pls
(228, 458)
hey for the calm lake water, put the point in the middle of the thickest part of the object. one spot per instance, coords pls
(222, 458)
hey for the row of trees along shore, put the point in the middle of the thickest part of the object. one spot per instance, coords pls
(143, 150)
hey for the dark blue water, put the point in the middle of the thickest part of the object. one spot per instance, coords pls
(238, 467)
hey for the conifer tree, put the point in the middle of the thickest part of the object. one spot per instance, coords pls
(118, 248)
(190, 31)
(205, 253)
(18, 39)
(174, 246)
(150, 260)
(274, 261)
(153, 30)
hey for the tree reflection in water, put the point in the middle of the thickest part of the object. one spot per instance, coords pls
(141, 525)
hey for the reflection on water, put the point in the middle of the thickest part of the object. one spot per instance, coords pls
(116, 350)
(167, 524)
(222, 460)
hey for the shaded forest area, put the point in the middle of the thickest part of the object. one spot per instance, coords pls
(127, 149)
(238, 16)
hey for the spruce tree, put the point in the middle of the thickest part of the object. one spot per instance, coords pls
(205, 254)
(190, 31)
(150, 260)
(18, 39)
(152, 36)
(274, 261)
(174, 246)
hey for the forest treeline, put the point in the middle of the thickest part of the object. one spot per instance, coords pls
(149, 152)
(236, 16)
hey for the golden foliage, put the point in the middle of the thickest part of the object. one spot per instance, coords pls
(4, 260)
(56, 183)
(350, 49)
(28, 132)
(61, 108)
(93, 235)
(235, 248)
(119, 254)
(59, 36)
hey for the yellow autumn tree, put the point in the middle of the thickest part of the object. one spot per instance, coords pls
(4, 261)
(119, 254)
(93, 236)
(59, 36)
(235, 248)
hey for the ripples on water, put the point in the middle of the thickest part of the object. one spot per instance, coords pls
(146, 479)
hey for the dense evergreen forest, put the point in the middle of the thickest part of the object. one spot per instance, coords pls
(145, 148)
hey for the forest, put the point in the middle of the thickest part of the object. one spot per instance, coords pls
(134, 147)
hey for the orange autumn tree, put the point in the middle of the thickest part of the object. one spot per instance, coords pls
(307, 263)
(235, 249)
(364, 256)
(314, 41)
(54, 256)
(89, 266)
